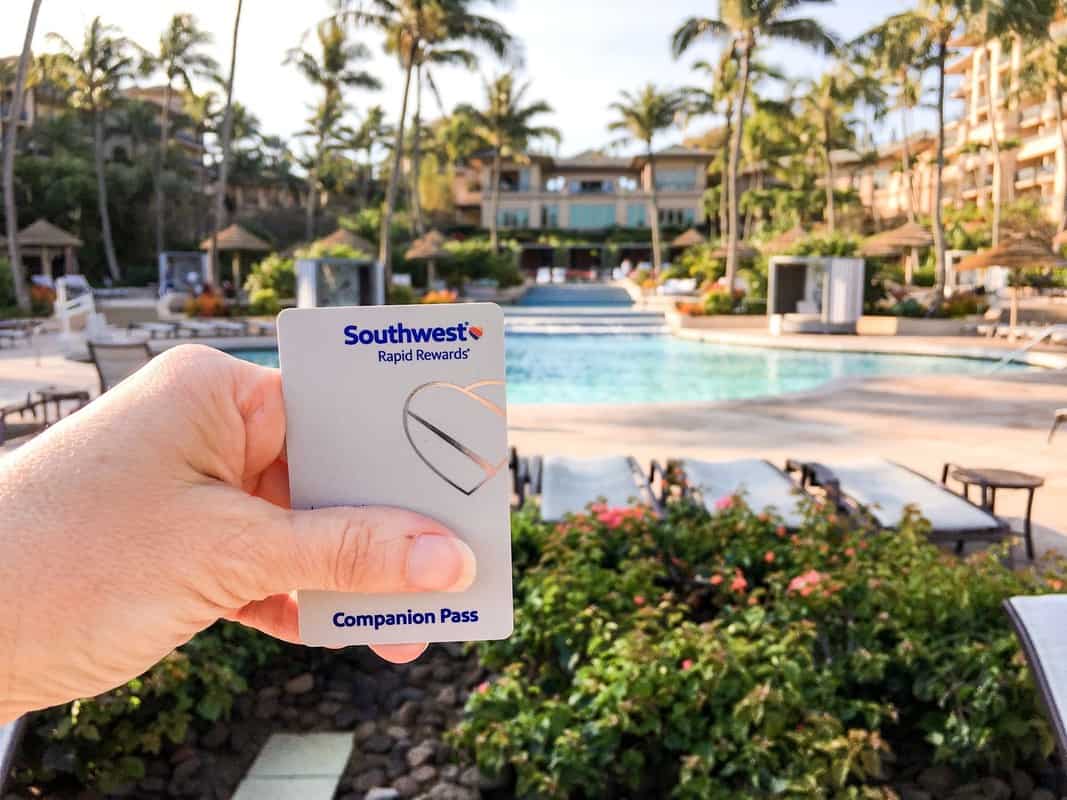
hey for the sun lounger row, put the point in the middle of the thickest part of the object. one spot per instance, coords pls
(1032, 330)
(202, 328)
(879, 491)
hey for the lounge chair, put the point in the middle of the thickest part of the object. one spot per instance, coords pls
(568, 485)
(10, 428)
(228, 328)
(882, 490)
(765, 486)
(10, 734)
(258, 327)
(156, 330)
(1038, 622)
(1058, 418)
(199, 328)
(115, 361)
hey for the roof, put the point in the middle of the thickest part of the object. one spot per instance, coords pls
(344, 237)
(907, 236)
(688, 239)
(592, 158)
(745, 251)
(1016, 253)
(784, 240)
(237, 238)
(43, 233)
(428, 246)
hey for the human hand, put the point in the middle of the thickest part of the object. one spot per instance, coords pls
(164, 505)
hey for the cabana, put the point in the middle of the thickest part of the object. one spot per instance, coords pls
(1017, 253)
(745, 251)
(236, 240)
(429, 248)
(779, 244)
(811, 294)
(44, 240)
(345, 238)
(691, 238)
(907, 239)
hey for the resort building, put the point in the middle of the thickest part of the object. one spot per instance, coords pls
(590, 191)
(39, 100)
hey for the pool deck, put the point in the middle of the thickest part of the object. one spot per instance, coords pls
(995, 421)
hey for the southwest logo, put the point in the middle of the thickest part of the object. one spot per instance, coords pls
(399, 333)
(475, 332)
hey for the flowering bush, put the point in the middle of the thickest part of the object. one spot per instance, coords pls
(719, 656)
(42, 300)
(722, 301)
(689, 309)
(440, 296)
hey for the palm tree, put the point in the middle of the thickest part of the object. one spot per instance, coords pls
(203, 112)
(180, 58)
(412, 26)
(227, 140)
(94, 74)
(1046, 70)
(506, 126)
(745, 24)
(370, 133)
(641, 116)
(22, 296)
(332, 71)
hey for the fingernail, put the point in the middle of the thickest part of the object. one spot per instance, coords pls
(439, 563)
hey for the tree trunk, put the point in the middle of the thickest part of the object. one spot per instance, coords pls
(494, 205)
(994, 143)
(416, 201)
(22, 296)
(313, 191)
(164, 140)
(724, 191)
(1062, 211)
(735, 159)
(224, 167)
(939, 231)
(909, 185)
(385, 246)
(831, 211)
(101, 195)
(653, 202)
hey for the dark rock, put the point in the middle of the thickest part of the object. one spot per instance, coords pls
(382, 793)
(407, 713)
(182, 754)
(308, 720)
(290, 715)
(425, 773)
(420, 674)
(912, 792)
(450, 772)
(447, 697)
(443, 672)
(244, 705)
(366, 781)
(268, 692)
(154, 785)
(396, 767)
(1042, 794)
(939, 780)
(341, 696)
(995, 789)
(398, 732)
(328, 708)
(301, 684)
(216, 737)
(378, 743)
(346, 717)
(448, 791)
(471, 777)
(406, 786)
(445, 754)
(968, 791)
(411, 693)
(1022, 785)
(433, 718)
(364, 730)
(186, 769)
(266, 707)
(454, 650)
(423, 754)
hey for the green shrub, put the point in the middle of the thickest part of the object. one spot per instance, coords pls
(697, 262)
(264, 302)
(908, 308)
(401, 295)
(474, 259)
(273, 272)
(720, 301)
(924, 276)
(720, 656)
(829, 244)
(103, 742)
(963, 304)
(7, 284)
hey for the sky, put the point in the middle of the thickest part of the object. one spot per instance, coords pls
(577, 54)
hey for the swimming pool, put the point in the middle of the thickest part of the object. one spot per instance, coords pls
(588, 369)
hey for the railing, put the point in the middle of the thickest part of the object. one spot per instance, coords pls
(1042, 336)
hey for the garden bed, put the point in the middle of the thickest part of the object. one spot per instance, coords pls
(688, 322)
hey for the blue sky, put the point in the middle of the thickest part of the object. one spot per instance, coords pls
(578, 53)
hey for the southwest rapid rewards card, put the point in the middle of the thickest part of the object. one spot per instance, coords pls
(403, 406)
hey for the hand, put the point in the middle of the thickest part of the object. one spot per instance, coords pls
(164, 505)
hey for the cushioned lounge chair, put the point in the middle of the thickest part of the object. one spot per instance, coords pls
(1038, 622)
(568, 485)
(763, 484)
(1058, 418)
(115, 361)
(881, 490)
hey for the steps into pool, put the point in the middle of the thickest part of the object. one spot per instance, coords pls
(576, 294)
(599, 320)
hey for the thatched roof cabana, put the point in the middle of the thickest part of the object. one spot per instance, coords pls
(896, 241)
(745, 251)
(236, 240)
(42, 239)
(343, 237)
(690, 238)
(428, 247)
(777, 245)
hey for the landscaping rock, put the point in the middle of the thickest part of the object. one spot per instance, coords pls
(423, 754)
(939, 780)
(995, 789)
(470, 777)
(407, 713)
(1022, 785)
(1042, 794)
(450, 773)
(382, 793)
(346, 717)
(425, 773)
(301, 684)
(378, 743)
(411, 693)
(186, 769)
(406, 786)
(442, 672)
(420, 674)
(447, 697)
(328, 708)
(366, 781)
(216, 737)
(448, 791)
(364, 730)
(914, 793)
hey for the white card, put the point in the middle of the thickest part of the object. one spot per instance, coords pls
(403, 406)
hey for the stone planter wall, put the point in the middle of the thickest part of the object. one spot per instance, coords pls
(717, 322)
(910, 326)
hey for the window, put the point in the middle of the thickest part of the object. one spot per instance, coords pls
(513, 218)
(627, 184)
(589, 215)
(677, 216)
(550, 216)
(676, 180)
(556, 183)
(636, 216)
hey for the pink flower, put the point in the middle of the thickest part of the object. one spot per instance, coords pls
(805, 583)
(850, 551)
(716, 580)
(780, 530)
(724, 503)
(483, 687)
(738, 584)
(639, 600)
(769, 557)
(763, 516)
(1055, 584)
(753, 600)
(687, 664)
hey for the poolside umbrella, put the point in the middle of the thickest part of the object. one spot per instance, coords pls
(783, 241)
(690, 238)
(345, 238)
(1017, 253)
(429, 247)
(745, 251)
(909, 237)
(236, 240)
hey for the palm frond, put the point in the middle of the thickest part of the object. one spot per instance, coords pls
(696, 28)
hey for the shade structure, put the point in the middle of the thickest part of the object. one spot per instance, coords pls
(345, 238)
(237, 238)
(777, 245)
(429, 246)
(897, 240)
(1016, 253)
(745, 251)
(690, 238)
(43, 233)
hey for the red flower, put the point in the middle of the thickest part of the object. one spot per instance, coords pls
(780, 530)
(763, 516)
(716, 580)
(769, 557)
(1055, 584)
(687, 664)
(639, 600)
(483, 687)
(850, 552)
(724, 503)
(738, 584)
(804, 584)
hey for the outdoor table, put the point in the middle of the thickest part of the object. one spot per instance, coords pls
(988, 481)
(57, 396)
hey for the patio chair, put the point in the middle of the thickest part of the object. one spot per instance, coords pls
(10, 734)
(1038, 622)
(156, 330)
(764, 485)
(115, 361)
(568, 485)
(258, 327)
(228, 328)
(12, 429)
(1058, 417)
(881, 491)
(199, 328)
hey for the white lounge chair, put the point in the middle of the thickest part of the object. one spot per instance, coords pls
(116, 361)
(882, 490)
(568, 485)
(763, 484)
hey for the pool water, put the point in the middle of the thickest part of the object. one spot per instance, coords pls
(589, 369)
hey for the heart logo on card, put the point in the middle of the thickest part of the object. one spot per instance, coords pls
(486, 468)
